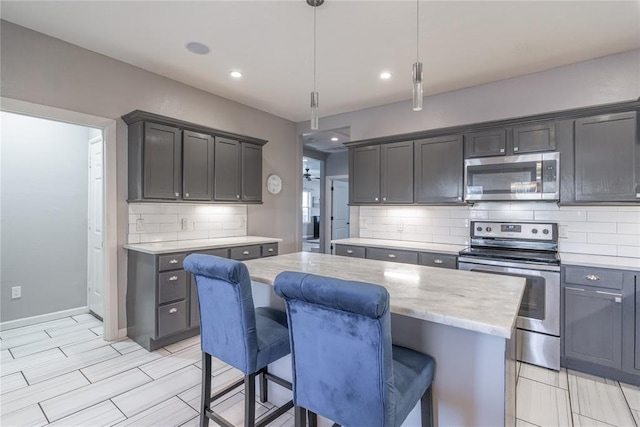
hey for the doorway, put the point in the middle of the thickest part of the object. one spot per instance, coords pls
(311, 212)
(338, 210)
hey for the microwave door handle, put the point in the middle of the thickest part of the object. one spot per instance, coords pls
(539, 183)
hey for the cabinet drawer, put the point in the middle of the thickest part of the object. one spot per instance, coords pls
(587, 276)
(352, 251)
(270, 249)
(222, 253)
(172, 318)
(438, 260)
(406, 257)
(172, 286)
(245, 252)
(170, 262)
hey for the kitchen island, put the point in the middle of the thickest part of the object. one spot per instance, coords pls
(465, 320)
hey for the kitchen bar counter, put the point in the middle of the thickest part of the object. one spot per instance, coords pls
(192, 245)
(401, 244)
(464, 320)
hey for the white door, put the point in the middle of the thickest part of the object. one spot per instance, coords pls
(96, 251)
(340, 210)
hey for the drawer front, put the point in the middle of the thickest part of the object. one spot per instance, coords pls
(352, 251)
(172, 286)
(598, 277)
(172, 318)
(170, 262)
(270, 249)
(438, 260)
(393, 255)
(245, 252)
(222, 253)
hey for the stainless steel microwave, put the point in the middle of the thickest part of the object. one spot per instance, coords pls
(526, 177)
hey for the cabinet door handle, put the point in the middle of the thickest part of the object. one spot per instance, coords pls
(173, 311)
(502, 150)
(384, 199)
(376, 199)
(270, 249)
(349, 251)
(609, 293)
(173, 261)
(173, 278)
(245, 253)
(592, 277)
(177, 194)
(515, 148)
(438, 261)
(574, 289)
(237, 196)
(392, 256)
(186, 194)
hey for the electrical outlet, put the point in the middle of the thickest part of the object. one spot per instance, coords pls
(139, 224)
(185, 223)
(562, 232)
(363, 224)
(400, 226)
(16, 292)
(243, 222)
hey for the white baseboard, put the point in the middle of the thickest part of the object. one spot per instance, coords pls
(18, 323)
(122, 333)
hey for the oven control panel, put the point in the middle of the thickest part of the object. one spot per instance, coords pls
(514, 230)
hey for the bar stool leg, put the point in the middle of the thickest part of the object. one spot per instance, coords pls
(313, 419)
(426, 408)
(263, 386)
(205, 399)
(250, 400)
(300, 416)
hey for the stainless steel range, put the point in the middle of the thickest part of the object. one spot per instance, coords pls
(528, 250)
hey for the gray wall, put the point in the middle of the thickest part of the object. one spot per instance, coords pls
(337, 164)
(47, 71)
(44, 193)
(604, 80)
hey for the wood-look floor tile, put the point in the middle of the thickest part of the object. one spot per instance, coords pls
(86, 317)
(521, 423)
(70, 329)
(636, 416)
(12, 382)
(5, 356)
(81, 347)
(48, 389)
(67, 321)
(111, 367)
(542, 404)
(46, 344)
(102, 414)
(218, 383)
(77, 361)
(632, 394)
(30, 416)
(598, 398)
(172, 362)
(148, 395)
(81, 398)
(181, 345)
(98, 330)
(17, 365)
(19, 340)
(172, 412)
(544, 375)
(582, 421)
(232, 409)
(193, 422)
(126, 346)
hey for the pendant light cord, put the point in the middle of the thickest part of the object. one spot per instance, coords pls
(314, 47)
(417, 30)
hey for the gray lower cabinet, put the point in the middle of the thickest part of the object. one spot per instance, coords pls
(396, 179)
(364, 173)
(197, 166)
(607, 158)
(533, 138)
(162, 301)
(486, 143)
(351, 251)
(394, 255)
(438, 170)
(228, 178)
(430, 259)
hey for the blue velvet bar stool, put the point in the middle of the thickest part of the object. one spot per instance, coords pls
(235, 332)
(344, 365)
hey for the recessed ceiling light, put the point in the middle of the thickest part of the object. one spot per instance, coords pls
(334, 139)
(197, 48)
(385, 75)
(235, 74)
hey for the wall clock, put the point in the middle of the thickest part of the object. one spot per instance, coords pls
(274, 184)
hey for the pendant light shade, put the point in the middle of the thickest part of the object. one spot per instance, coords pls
(314, 93)
(417, 66)
(314, 110)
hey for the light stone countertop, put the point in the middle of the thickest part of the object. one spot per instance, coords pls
(192, 245)
(479, 302)
(616, 262)
(401, 244)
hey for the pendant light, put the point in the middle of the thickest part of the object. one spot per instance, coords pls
(314, 94)
(417, 66)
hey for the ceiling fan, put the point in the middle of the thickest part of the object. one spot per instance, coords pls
(308, 176)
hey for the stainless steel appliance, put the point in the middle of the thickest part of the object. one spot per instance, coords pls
(526, 177)
(528, 250)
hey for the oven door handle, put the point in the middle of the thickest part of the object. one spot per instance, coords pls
(473, 262)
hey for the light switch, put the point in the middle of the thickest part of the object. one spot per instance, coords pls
(562, 232)
(185, 223)
(139, 224)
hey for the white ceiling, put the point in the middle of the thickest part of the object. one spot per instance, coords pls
(462, 43)
(328, 141)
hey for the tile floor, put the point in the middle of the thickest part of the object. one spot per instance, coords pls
(61, 373)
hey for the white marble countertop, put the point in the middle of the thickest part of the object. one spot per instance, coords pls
(192, 245)
(401, 244)
(621, 263)
(484, 303)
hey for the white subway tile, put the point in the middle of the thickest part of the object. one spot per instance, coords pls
(633, 208)
(199, 226)
(366, 234)
(492, 206)
(576, 237)
(629, 228)
(373, 211)
(386, 235)
(590, 227)
(614, 239)
(575, 216)
(628, 216)
(146, 228)
(142, 208)
(629, 251)
(428, 229)
(587, 248)
(603, 216)
(159, 218)
(450, 222)
(588, 208)
(172, 208)
(402, 211)
(133, 238)
(511, 215)
(158, 237)
(452, 240)
(165, 228)
(415, 237)
(193, 235)
(458, 231)
(231, 225)
(478, 214)
(460, 213)
(133, 218)
(533, 206)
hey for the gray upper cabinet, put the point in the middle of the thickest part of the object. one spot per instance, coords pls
(397, 172)
(533, 138)
(607, 158)
(155, 162)
(251, 172)
(438, 170)
(486, 143)
(364, 172)
(227, 170)
(197, 166)
(636, 321)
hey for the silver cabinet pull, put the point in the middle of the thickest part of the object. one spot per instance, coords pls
(245, 253)
(173, 261)
(515, 148)
(592, 277)
(186, 194)
(173, 311)
(237, 196)
(609, 293)
(392, 256)
(502, 150)
(349, 251)
(384, 199)
(270, 249)
(438, 261)
(173, 278)
(177, 194)
(574, 289)
(376, 199)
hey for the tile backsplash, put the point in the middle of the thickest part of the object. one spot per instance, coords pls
(164, 222)
(596, 230)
